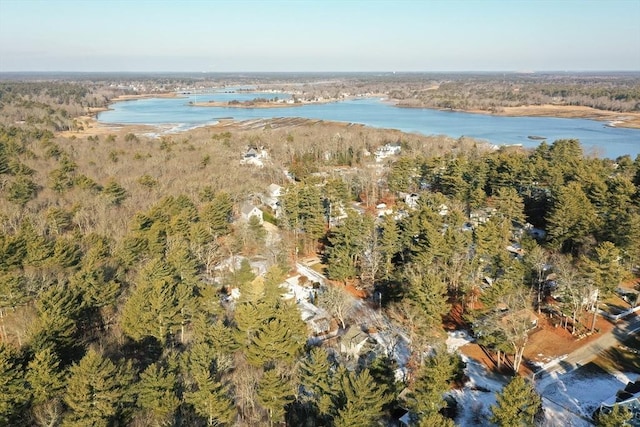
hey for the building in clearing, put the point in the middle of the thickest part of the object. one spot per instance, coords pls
(272, 198)
(247, 210)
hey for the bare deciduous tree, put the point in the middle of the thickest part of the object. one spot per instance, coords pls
(338, 302)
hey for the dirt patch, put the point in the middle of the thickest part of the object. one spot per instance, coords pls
(455, 319)
(550, 340)
(547, 342)
(350, 288)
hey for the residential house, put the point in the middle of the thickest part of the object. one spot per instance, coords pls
(254, 157)
(411, 200)
(272, 198)
(248, 210)
(353, 341)
(387, 150)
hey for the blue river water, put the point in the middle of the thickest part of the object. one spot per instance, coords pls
(178, 114)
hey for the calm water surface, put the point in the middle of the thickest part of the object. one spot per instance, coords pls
(176, 114)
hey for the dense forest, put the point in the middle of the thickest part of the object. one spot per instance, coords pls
(129, 293)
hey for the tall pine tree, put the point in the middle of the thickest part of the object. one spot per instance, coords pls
(516, 405)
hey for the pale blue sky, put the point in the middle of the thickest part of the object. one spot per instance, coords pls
(192, 35)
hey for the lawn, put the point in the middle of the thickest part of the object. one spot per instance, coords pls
(623, 358)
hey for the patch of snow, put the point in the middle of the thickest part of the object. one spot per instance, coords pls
(477, 396)
(568, 400)
(546, 362)
(457, 339)
(581, 391)
(556, 415)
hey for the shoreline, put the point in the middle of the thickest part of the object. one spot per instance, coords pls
(630, 120)
(615, 119)
(91, 125)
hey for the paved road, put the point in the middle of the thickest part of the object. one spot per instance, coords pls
(585, 354)
(547, 379)
(310, 273)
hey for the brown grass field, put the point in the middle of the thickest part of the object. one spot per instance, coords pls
(629, 120)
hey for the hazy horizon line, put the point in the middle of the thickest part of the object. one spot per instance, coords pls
(315, 72)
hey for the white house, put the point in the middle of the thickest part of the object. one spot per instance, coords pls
(411, 200)
(255, 157)
(272, 198)
(247, 210)
(387, 150)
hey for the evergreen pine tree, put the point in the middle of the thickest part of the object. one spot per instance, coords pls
(275, 392)
(572, 218)
(316, 379)
(516, 405)
(39, 248)
(429, 292)
(13, 390)
(157, 308)
(44, 376)
(183, 261)
(211, 401)
(214, 333)
(97, 391)
(59, 309)
(435, 419)
(94, 285)
(389, 245)
(160, 305)
(156, 393)
(616, 417)
(114, 192)
(432, 381)
(273, 342)
(363, 399)
(248, 318)
(66, 253)
(273, 278)
(14, 290)
(217, 215)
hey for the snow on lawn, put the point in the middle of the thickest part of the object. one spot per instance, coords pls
(568, 400)
(581, 391)
(478, 394)
(457, 339)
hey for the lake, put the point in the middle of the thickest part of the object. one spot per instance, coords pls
(176, 114)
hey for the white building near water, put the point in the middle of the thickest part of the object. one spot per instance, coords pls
(386, 151)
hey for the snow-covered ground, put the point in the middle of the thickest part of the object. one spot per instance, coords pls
(578, 393)
(477, 396)
(568, 399)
